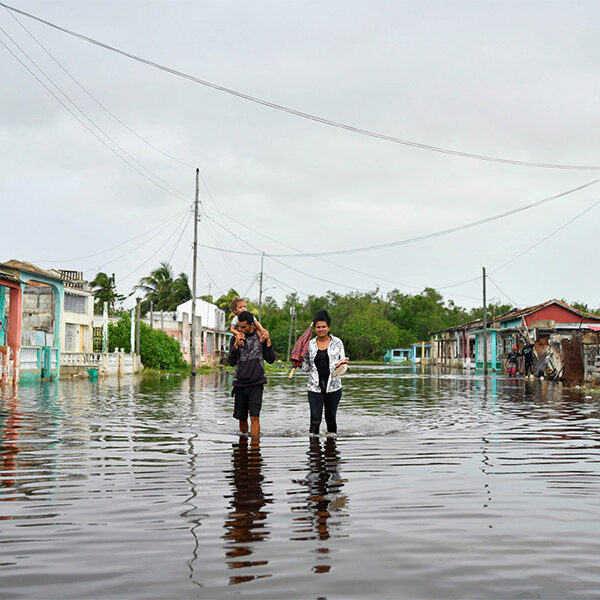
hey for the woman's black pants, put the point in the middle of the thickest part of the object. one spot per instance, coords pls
(318, 401)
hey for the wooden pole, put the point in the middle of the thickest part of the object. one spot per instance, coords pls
(138, 314)
(195, 266)
(290, 334)
(260, 290)
(485, 365)
(151, 314)
(105, 327)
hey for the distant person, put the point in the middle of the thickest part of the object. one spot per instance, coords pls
(324, 361)
(527, 359)
(237, 306)
(513, 357)
(248, 356)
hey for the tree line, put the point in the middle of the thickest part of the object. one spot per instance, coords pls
(367, 322)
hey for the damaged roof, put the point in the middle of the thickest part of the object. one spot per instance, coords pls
(22, 265)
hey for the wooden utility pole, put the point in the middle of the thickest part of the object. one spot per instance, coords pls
(485, 355)
(104, 327)
(290, 334)
(151, 314)
(193, 328)
(260, 290)
(138, 314)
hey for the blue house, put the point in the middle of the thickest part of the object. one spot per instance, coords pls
(398, 355)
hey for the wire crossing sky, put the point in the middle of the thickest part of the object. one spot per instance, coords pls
(298, 113)
(104, 152)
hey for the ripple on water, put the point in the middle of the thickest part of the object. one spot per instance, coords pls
(438, 486)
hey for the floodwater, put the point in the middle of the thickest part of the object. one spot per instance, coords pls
(439, 486)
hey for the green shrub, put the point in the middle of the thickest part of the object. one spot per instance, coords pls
(158, 350)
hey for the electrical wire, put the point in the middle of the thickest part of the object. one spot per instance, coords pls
(516, 304)
(135, 237)
(93, 97)
(298, 113)
(132, 161)
(320, 258)
(179, 238)
(129, 252)
(154, 253)
(277, 260)
(577, 216)
(421, 237)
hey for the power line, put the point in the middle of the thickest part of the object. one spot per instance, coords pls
(135, 237)
(176, 193)
(90, 95)
(128, 253)
(298, 113)
(341, 266)
(577, 216)
(277, 260)
(424, 237)
(154, 253)
(502, 291)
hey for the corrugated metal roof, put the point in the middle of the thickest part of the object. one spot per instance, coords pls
(531, 309)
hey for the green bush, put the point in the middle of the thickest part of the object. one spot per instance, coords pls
(158, 350)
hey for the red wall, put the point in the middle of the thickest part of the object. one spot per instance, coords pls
(555, 312)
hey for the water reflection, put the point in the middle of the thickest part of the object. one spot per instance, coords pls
(320, 513)
(10, 420)
(246, 522)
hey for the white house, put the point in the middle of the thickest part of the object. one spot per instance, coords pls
(212, 336)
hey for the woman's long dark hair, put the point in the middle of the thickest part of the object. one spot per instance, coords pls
(322, 315)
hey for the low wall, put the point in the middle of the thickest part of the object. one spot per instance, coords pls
(591, 364)
(108, 363)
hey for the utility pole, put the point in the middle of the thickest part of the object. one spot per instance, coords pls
(260, 291)
(104, 327)
(193, 330)
(151, 314)
(485, 356)
(138, 315)
(132, 332)
(290, 334)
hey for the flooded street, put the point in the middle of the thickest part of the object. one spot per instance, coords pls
(438, 486)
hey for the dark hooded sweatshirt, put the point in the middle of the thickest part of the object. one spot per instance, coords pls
(248, 361)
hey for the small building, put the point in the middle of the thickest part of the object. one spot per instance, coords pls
(78, 313)
(34, 320)
(421, 353)
(396, 356)
(213, 338)
(545, 325)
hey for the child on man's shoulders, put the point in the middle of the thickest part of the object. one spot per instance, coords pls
(238, 305)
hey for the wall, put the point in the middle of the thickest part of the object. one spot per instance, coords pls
(82, 321)
(37, 316)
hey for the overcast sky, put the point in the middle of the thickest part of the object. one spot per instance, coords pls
(517, 80)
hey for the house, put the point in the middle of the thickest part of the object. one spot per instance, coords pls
(398, 355)
(32, 318)
(457, 346)
(78, 313)
(212, 336)
(545, 325)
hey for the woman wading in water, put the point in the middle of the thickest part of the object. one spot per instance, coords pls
(325, 361)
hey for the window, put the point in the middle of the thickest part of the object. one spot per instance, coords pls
(74, 303)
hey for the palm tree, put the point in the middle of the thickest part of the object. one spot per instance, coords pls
(104, 289)
(165, 292)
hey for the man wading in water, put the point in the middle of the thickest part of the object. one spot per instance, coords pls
(249, 377)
